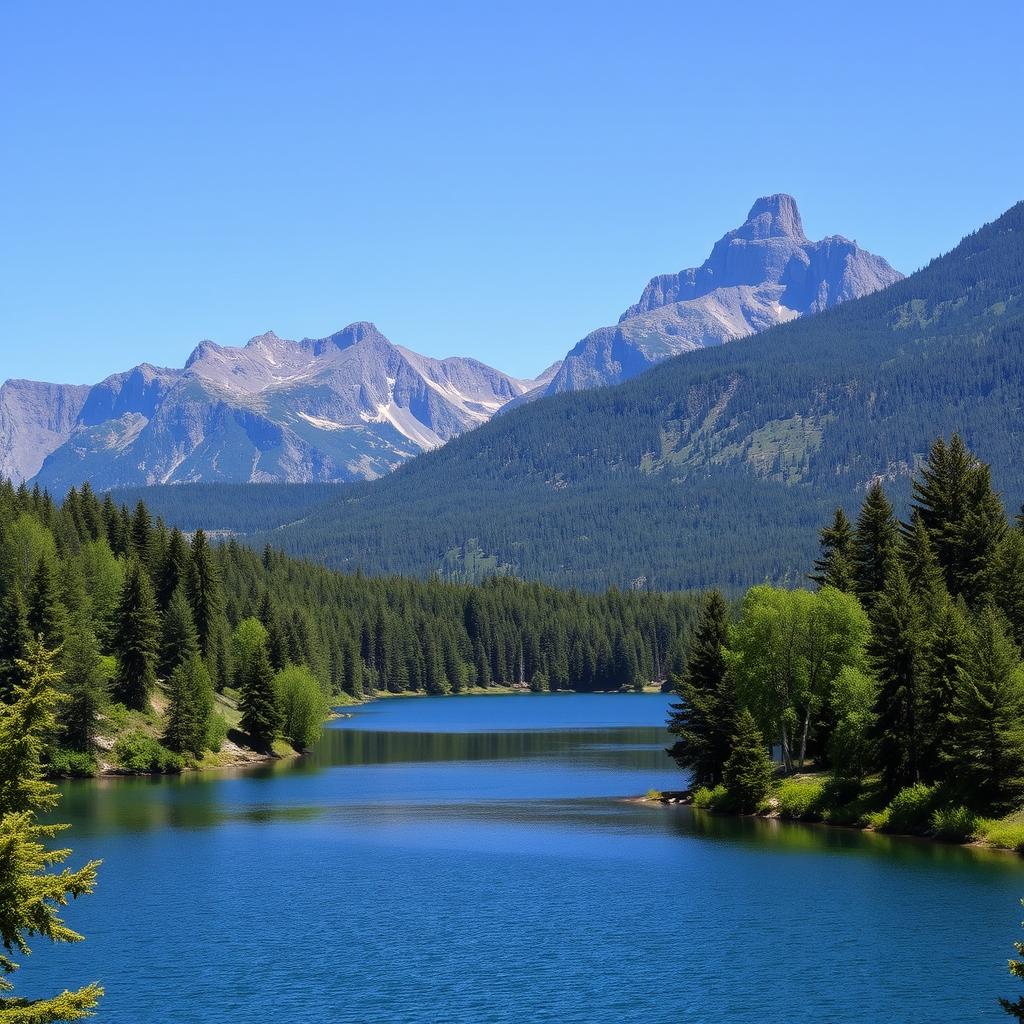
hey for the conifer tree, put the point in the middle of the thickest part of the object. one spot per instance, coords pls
(986, 747)
(136, 639)
(874, 545)
(189, 706)
(179, 641)
(948, 638)
(174, 570)
(705, 717)
(31, 893)
(749, 771)
(45, 611)
(206, 595)
(15, 638)
(835, 566)
(1008, 582)
(142, 536)
(261, 718)
(898, 652)
(84, 685)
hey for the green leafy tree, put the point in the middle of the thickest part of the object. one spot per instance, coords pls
(986, 749)
(851, 747)
(137, 639)
(705, 717)
(261, 717)
(748, 772)
(302, 704)
(31, 893)
(189, 707)
(785, 651)
(248, 638)
(835, 566)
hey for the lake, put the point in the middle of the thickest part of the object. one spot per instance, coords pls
(471, 859)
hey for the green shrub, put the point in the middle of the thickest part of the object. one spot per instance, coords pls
(1007, 834)
(72, 764)
(138, 753)
(711, 799)
(956, 824)
(116, 717)
(216, 731)
(801, 800)
(654, 794)
(910, 810)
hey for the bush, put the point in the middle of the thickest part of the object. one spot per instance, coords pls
(116, 717)
(216, 732)
(910, 810)
(72, 764)
(711, 799)
(801, 800)
(140, 754)
(1007, 834)
(956, 824)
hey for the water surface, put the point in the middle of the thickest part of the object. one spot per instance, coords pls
(472, 860)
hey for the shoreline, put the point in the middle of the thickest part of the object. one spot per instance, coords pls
(684, 798)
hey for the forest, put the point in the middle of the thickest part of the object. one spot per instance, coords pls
(168, 645)
(710, 470)
(894, 691)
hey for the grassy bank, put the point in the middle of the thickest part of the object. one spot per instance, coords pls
(919, 810)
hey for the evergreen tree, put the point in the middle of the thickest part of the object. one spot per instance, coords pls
(142, 536)
(45, 611)
(179, 641)
(85, 685)
(874, 545)
(261, 717)
(1008, 582)
(174, 570)
(835, 566)
(206, 595)
(705, 717)
(31, 894)
(748, 772)
(898, 651)
(189, 706)
(136, 639)
(986, 750)
(15, 638)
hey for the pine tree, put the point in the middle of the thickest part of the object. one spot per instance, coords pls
(261, 718)
(174, 570)
(948, 640)
(45, 611)
(748, 772)
(986, 748)
(189, 706)
(206, 595)
(874, 545)
(1008, 579)
(898, 651)
(31, 894)
(835, 566)
(179, 641)
(705, 717)
(142, 536)
(136, 639)
(15, 638)
(84, 684)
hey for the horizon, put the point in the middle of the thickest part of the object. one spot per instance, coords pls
(369, 165)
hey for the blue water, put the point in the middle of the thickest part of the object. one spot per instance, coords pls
(470, 860)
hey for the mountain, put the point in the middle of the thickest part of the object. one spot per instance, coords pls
(763, 273)
(713, 468)
(350, 406)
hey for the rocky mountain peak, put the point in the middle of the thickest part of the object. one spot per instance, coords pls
(204, 348)
(775, 216)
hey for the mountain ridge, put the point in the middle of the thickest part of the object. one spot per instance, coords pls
(352, 405)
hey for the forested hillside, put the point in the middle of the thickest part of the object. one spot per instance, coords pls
(167, 644)
(711, 469)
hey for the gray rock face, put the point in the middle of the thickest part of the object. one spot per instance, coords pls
(349, 406)
(763, 273)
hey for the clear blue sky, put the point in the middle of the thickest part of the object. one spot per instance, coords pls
(488, 179)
